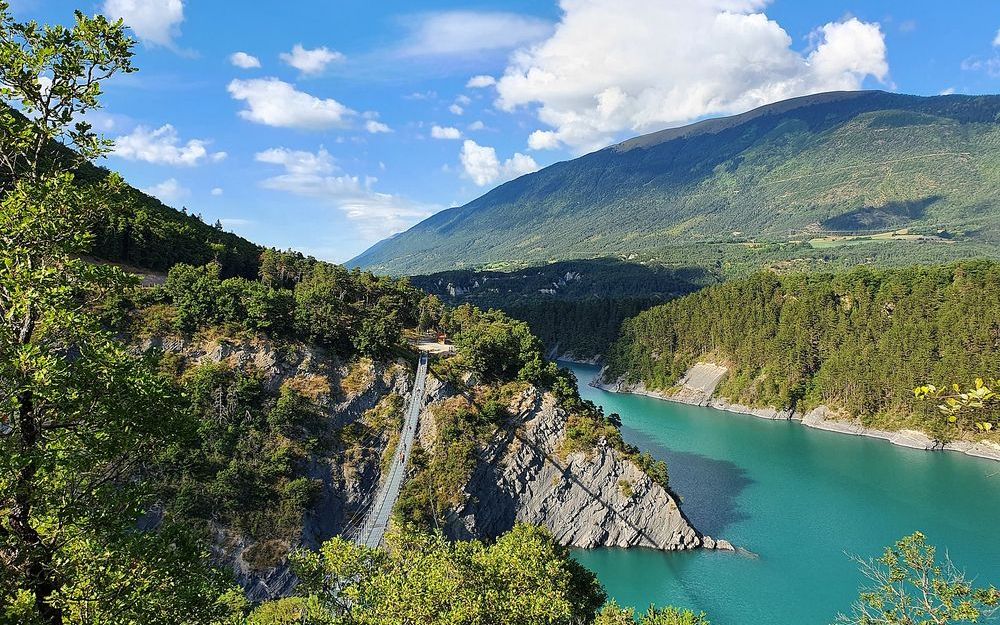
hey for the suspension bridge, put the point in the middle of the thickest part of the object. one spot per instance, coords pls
(372, 530)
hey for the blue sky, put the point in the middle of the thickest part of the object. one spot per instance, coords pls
(343, 122)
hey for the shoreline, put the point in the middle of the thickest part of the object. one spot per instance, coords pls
(818, 418)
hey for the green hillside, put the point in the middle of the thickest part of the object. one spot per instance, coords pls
(137, 229)
(862, 176)
(575, 307)
(857, 341)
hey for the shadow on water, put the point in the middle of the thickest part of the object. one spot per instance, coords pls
(709, 488)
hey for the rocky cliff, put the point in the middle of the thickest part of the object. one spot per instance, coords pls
(595, 498)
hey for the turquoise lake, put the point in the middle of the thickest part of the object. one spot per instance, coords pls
(802, 500)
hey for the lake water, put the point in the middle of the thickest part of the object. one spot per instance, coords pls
(802, 500)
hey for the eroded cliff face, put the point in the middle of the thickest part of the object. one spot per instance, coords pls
(588, 499)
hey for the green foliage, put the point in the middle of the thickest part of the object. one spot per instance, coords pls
(976, 406)
(244, 465)
(707, 194)
(574, 307)
(493, 345)
(524, 578)
(859, 341)
(82, 423)
(612, 614)
(351, 312)
(907, 586)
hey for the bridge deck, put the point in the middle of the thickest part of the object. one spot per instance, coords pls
(375, 524)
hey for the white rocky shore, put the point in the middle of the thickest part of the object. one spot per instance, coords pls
(698, 386)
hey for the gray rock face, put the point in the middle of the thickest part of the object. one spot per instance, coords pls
(596, 499)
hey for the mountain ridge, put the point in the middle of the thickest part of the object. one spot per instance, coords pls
(866, 161)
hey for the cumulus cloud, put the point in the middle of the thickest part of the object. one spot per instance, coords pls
(316, 176)
(466, 32)
(299, 162)
(217, 191)
(310, 61)
(273, 102)
(613, 66)
(477, 125)
(481, 81)
(543, 140)
(244, 60)
(484, 168)
(456, 109)
(155, 22)
(163, 147)
(996, 40)
(445, 132)
(375, 127)
(168, 191)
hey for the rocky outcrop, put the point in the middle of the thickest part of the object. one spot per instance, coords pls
(595, 499)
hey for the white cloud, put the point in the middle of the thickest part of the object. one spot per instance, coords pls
(155, 22)
(310, 61)
(445, 132)
(484, 168)
(466, 32)
(477, 125)
(168, 191)
(543, 140)
(456, 109)
(276, 103)
(217, 191)
(163, 147)
(948, 91)
(481, 81)
(313, 175)
(615, 66)
(375, 127)
(996, 40)
(299, 162)
(244, 60)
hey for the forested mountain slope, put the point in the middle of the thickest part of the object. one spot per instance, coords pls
(858, 342)
(136, 228)
(574, 307)
(794, 173)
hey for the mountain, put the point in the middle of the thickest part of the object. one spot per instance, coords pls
(915, 178)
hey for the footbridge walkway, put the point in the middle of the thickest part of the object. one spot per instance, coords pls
(373, 529)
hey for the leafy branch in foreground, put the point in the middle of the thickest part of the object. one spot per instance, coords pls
(977, 404)
(907, 586)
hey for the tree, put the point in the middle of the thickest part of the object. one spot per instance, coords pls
(83, 420)
(524, 578)
(612, 614)
(909, 587)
